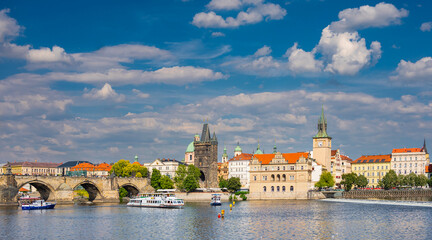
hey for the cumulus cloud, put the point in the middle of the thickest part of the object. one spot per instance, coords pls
(224, 4)
(380, 15)
(218, 34)
(105, 93)
(254, 14)
(57, 54)
(301, 61)
(264, 51)
(426, 27)
(414, 72)
(346, 53)
(9, 27)
(140, 94)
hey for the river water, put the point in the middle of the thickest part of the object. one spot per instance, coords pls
(311, 219)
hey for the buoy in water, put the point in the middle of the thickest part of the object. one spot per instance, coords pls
(230, 206)
(234, 203)
(219, 215)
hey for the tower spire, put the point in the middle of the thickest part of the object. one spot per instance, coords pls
(424, 146)
(322, 126)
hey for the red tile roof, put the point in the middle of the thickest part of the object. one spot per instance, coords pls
(404, 150)
(242, 157)
(333, 152)
(373, 159)
(343, 157)
(290, 157)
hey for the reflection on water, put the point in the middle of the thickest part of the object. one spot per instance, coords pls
(247, 220)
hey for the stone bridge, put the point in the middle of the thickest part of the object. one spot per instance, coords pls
(60, 188)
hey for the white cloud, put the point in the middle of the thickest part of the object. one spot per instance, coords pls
(417, 72)
(381, 15)
(346, 53)
(57, 54)
(172, 75)
(426, 27)
(224, 4)
(301, 61)
(140, 94)
(254, 14)
(264, 51)
(218, 34)
(9, 27)
(113, 149)
(106, 93)
(17, 105)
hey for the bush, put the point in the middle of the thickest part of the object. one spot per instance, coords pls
(241, 192)
(243, 196)
(230, 198)
(122, 193)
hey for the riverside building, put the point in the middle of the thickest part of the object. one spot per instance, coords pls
(239, 167)
(410, 160)
(373, 167)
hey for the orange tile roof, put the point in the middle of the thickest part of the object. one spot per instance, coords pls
(333, 152)
(373, 159)
(91, 167)
(242, 157)
(404, 150)
(290, 157)
(137, 163)
(343, 157)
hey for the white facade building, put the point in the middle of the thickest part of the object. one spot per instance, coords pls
(166, 167)
(239, 166)
(409, 160)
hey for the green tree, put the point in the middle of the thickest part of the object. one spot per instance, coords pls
(234, 184)
(421, 180)
(348, 180)
(122, 193)
(390, 180)
(326, 180)
(430, 182)
(401, 181)
(361, 181)
(411, 179)
(180, 176)
(223, 183)
(118, 167)
(194, 171)
(190, 183)
(155, 179)
(138, 175)
(166, 182)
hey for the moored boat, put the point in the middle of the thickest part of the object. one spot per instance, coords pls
(156, 200)
(216, 199)
(35, 203)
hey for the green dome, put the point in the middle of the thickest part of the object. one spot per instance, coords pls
(258, 151)
(190, 147)
(238, 148)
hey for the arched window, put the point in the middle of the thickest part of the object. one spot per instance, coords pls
(190, 157)
(292, 188)
(283, 177)
(272, 188)
(278, 177)
(272, 177)
(265, 188)
(283, 188)
(277, 188)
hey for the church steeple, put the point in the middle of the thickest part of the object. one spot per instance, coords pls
(275, 148)
(424, 146)
(322, 126)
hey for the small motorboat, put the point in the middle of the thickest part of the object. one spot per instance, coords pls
(216, 199)
(37, 204)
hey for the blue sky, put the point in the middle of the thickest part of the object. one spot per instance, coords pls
(106, 80)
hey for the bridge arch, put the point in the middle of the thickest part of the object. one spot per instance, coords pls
(91, 188)
(131, 188)
(45, 190)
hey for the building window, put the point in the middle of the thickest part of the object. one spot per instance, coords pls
(301, 167)
(292, 167)
(277, 188)
(283, 177)
(355, 168)
(272, 177)
(373, 180)
(265, 188)
(283, 188)
(291, 177)
(272, 188)
(254, 178)
(278, 169)
(291, 188)
(190, 157)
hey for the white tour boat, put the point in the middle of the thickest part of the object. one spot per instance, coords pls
(161, 199)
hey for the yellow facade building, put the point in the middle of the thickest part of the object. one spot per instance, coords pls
(373, 167)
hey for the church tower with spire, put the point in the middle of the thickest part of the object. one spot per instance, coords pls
(206, 157)
(322, 143)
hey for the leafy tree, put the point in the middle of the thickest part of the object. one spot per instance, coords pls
(401, 180)
(118, 167)
(166, 182)
(348, 180)
(194, 171)
(134, 168)
(190, 183)
(421, 180)
(122, 193)
(180, 176)
(326, 180)
(361, 181)
(234, 184)
(390, 180)
(223, 183)
(155, 179)
(138, 175)
(411, 179)
(430, 182)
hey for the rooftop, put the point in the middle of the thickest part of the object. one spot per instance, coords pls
(289, 157)
(373, 159)
(406, 150)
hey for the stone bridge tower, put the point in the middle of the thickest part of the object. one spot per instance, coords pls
(206, 157)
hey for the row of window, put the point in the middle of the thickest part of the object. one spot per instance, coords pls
(278, 189)
(373, 174)
(405, 165)
(279, 168)
(372, 168)
(275, 178)
(406, 159)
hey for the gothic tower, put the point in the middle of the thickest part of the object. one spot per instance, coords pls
(322, 144)
(206, 154)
